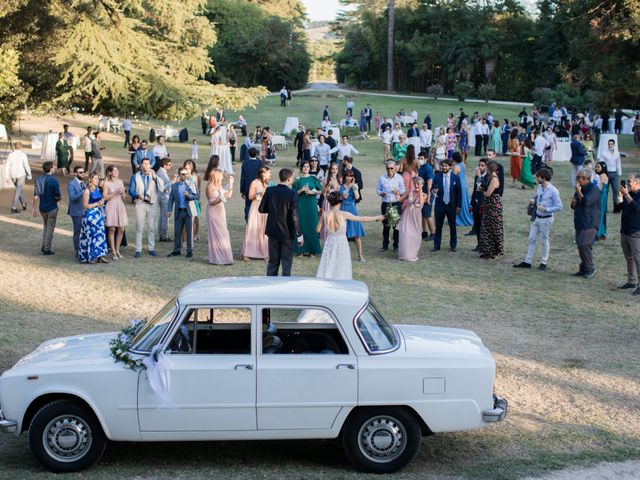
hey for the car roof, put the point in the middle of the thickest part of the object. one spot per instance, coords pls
(275, 291)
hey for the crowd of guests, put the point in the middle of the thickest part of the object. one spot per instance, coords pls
(425, 182)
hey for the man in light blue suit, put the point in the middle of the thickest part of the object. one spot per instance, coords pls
(180, 195)
(75, 188)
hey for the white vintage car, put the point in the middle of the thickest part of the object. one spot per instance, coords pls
(255, 358)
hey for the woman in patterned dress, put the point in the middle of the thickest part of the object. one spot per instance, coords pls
(491, 229)
(93, 241)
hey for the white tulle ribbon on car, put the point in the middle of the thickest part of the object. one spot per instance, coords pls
(158, 367)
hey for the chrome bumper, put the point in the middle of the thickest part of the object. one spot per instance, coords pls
(7, 426)
(498, 412)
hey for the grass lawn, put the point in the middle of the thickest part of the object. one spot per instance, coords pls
(566, 348)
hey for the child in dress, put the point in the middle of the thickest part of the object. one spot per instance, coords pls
(194, 150)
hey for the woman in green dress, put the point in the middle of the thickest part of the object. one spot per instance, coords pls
(308, 186)
(62, 153)
(526, 177)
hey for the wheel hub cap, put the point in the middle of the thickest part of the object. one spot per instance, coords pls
(382, 439)
(67, 438)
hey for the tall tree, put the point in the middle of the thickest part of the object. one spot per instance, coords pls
(147, 57)
(390, 31)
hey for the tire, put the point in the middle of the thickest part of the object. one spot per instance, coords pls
(381, 440)
(66, 437)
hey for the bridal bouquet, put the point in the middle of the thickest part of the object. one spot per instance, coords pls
(392, 217)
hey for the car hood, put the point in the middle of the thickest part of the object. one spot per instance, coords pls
(76, 350)
(439, 341)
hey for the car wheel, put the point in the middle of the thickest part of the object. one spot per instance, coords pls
(66, 437)
(381, 440)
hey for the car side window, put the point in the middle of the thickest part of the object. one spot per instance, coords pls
(300, 331)
(211, 330)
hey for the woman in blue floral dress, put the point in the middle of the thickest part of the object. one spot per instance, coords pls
(93, 241)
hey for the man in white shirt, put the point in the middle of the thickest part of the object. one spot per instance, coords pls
(390, 189)
(86, 142)
(17, 169)
(163, 199)
(160, 152)
(539, 144)
(557, 116)
(127, 126)
(426, 136)
(611, 156)
(325, 125)
(395, 134)
(482, 130)
(350, 106)
(283, 96)
(414, 115)
(386, 143)
(323, 152)
(345, 149)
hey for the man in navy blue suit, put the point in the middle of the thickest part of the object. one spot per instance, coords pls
(248, 175)
(447, 203)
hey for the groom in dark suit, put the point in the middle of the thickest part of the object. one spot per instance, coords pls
(447, 204)
(280, 203)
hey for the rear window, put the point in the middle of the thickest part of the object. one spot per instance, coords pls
(378, 335)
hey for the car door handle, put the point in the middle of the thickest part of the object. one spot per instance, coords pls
(244, 365)
(350, 366)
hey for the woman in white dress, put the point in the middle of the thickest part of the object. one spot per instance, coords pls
(335, 263)
(220, 147)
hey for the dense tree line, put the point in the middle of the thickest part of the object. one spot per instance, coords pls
(143, 57)
(259, 43)
(582, 52)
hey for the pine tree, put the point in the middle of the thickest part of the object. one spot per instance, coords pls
(144, 57)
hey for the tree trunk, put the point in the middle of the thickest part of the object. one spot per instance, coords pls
(392, 21)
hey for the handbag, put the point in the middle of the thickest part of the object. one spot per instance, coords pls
(532, 208)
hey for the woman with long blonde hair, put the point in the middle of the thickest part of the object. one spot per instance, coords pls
(220, 252)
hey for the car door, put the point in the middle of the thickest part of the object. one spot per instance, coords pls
(212, 375)
(300, 389)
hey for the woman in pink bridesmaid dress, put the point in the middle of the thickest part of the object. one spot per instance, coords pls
(256, 243)
(410, 226)
(219, 242)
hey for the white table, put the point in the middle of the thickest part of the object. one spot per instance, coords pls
(407, 120)
(48, 151)
(168, 132)
(3, 132)
(349, 123)
(291, 123)
(627, 125)
(279, 140)
(563, 152)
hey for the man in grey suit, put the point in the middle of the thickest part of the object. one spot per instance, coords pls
(180, 195)
(75, 188)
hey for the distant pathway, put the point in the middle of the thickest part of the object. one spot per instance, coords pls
(338, 87)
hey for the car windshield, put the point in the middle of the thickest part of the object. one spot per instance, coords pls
(153, 330)
(374, 330)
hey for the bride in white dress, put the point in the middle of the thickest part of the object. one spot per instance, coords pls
(335, 263)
